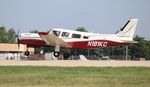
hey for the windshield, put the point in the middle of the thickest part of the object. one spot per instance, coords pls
(56, 33)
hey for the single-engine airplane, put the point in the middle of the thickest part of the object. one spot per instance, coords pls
(74, 39)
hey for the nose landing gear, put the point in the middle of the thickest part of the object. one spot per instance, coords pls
(27, 53)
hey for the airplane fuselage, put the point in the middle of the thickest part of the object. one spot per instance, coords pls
(74, 39)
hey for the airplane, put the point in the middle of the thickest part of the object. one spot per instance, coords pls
(69, 39)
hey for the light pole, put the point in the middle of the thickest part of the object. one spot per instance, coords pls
(126, 52)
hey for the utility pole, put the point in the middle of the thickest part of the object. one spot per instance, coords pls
(126, 52)
(88, 52)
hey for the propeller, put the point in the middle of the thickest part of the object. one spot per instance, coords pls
(18, 40)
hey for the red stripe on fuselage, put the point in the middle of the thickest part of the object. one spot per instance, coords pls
(94, 44)
(77, 44)
(33, 42)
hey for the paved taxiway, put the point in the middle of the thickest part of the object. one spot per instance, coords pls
(76, 63)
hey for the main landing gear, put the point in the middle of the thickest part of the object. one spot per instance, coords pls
(57, 53)
(65, 55)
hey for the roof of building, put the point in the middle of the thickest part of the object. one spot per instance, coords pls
(14, 47)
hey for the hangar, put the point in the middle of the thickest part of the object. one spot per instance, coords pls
(13, 51)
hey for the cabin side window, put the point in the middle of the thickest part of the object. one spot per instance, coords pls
(56, 33)
(76, 35)
(65, 34)
(85, 37)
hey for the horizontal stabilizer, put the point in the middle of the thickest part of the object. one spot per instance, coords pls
(131, 42)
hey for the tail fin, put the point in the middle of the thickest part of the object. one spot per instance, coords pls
(128, 29)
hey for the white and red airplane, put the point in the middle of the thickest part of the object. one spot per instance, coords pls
(74, 39)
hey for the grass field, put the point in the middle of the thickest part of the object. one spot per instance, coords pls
(27, 76)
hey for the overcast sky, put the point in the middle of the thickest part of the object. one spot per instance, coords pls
(100, 16)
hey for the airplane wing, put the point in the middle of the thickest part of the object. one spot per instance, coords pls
(53, 40)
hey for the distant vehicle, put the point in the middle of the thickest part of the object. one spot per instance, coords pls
(74, 39)
(9, 56)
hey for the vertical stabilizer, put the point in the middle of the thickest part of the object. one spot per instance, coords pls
(128, 29)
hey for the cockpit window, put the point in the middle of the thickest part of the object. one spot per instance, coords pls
(65, 34)
(57, 33)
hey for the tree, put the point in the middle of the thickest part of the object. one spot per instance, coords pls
(7, 36)
(82, 29)
(34, 31)
(11, 36)
(141, 49)
(3, 37)
(147, 50)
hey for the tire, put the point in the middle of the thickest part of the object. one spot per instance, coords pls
(42, 52)
(56, 54)
(27, 53)
(66, 56)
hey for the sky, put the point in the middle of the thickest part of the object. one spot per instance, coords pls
(99, 16)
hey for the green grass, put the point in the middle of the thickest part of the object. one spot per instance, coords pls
(27, 76)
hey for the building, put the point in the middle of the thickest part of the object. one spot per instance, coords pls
(13, 51)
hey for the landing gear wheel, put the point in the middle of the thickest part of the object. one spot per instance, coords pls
(27, 53)
(66, 56)
(42, 52)
(56, 54)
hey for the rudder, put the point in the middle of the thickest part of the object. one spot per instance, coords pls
(128, 29)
